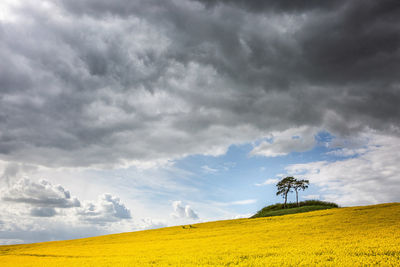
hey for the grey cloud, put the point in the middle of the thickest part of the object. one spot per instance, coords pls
(275, 5)
(12, 170)
(41, 195)
(43, 212)
(107, 83)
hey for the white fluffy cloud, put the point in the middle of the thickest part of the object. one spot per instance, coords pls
(40, 211)
(106, 209)
(373, 176)
(183, 212)
(42, 195)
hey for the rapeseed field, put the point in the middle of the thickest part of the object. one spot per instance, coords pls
(356, 236)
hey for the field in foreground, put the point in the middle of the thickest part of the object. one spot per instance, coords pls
(368, 235)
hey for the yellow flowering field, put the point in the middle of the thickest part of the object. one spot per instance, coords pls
(356, 236)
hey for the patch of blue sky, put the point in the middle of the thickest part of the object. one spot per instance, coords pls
(233, 176)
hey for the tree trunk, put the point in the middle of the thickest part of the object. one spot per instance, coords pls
(297, 198)
(284, 205)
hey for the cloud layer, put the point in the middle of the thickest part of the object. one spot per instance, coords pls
(116, 83)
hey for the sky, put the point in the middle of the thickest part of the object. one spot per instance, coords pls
(127, 115)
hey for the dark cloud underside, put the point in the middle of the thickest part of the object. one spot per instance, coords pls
(107, 82)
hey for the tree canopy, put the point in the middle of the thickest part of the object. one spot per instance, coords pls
(288, 184)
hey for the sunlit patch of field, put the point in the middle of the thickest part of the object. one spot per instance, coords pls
(356, 236)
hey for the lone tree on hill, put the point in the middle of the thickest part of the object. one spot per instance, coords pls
(300, 185)
(285, 186)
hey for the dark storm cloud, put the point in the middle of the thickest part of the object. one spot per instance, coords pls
(276, 5)
(107, 82)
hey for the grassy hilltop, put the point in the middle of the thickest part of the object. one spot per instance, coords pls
(356, 236)
(292, 208)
